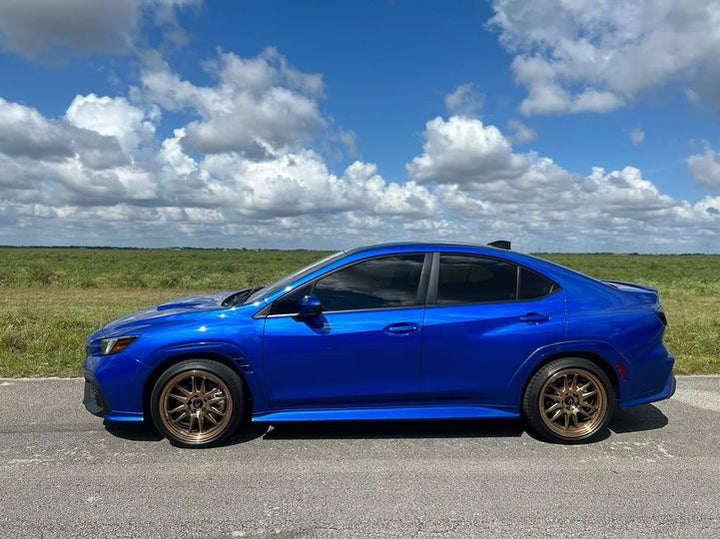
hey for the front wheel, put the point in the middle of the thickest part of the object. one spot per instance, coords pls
(569, 400)
(197, 403)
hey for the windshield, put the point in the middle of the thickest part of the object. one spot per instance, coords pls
(285, 281)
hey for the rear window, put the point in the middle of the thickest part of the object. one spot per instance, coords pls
(474, 279)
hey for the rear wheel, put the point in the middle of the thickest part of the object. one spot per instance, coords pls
(569, 400)
(197, 403)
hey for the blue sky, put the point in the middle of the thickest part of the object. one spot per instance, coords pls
(412, 120)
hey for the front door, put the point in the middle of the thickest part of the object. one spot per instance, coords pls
(365, 347)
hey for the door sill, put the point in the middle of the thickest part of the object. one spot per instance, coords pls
(389, 413)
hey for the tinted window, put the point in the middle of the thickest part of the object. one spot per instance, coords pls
(472, 279)
(372, 284)
(285, 281)
(533, 286)
(289, 304)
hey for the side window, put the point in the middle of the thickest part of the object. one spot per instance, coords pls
(289, 304)
(533, 286)
(474, 279)
(379, 282)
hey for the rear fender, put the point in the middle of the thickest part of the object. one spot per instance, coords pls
(612, 358)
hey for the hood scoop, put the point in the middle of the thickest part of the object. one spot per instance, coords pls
(170, 306)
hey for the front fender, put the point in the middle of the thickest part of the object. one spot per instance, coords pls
(244, 363)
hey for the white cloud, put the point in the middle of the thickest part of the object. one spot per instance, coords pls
(596, 56)
(258, 104)
(465, 100)
(637, 136)
(102, 173)
(520, 133)
(112, 117)
(481, 180)
(464, 151)
(706, 167)
(35, 27)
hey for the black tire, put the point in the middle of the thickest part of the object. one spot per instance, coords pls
(222, 391)
(570, 401)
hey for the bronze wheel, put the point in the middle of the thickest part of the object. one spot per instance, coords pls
(197, 403)
(569, 400)
(573, 403)
(195, 406)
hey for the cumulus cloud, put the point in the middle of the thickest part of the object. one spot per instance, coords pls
(462, 150)
(465, 100)
(112, 117)
(637, 136)
(106, 172)
(705, 167)
(590, 56)
(258, 104)
(34, 27)
(529, 197)
(520, 133)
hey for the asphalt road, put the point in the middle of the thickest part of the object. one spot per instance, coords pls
(62, 473)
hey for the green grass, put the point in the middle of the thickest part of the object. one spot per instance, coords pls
(51, 299)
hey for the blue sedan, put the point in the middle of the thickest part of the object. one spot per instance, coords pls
(389, 332)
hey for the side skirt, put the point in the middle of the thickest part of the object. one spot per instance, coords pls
(388, 414)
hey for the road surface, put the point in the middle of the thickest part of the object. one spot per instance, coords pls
(62, 473)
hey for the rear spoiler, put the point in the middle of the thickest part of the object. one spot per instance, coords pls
(500, 244)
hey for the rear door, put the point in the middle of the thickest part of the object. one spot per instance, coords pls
(365, 347)
(485, 316)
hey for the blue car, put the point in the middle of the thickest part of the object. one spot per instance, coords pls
(389, 332)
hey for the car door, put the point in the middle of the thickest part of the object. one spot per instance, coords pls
(485, 316)
(365, 347)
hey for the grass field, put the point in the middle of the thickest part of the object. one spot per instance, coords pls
(51, 299)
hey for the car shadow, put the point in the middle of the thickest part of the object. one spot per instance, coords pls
(636, 419)
(396, 429)
(137, 432)
(146, 432)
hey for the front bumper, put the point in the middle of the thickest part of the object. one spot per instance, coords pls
(93, 399)
(114, 386)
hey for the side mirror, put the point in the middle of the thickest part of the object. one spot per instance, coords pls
(309, 307)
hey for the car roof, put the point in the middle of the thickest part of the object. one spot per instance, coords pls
(421, 245)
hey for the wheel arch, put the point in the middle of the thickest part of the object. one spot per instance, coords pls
(596, 358)
(160, 368)
(602, 354)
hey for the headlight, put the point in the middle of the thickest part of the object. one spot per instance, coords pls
(116, 344)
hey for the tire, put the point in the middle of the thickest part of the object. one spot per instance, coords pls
(569, 401)
(197, 403)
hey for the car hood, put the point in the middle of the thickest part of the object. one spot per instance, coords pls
(172, 308)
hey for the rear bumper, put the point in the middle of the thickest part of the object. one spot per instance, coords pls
(667, 390)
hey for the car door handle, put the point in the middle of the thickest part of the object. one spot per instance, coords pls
(401, 328)
(534, 318)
